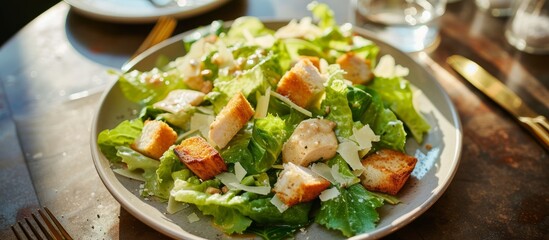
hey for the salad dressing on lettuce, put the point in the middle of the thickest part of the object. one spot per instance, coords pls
(307, 70)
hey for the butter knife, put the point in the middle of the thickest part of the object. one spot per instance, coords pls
(499, 93)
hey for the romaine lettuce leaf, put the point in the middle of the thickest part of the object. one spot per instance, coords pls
(122, 135)
(252, 25)
(352, 212)
(149, 87)
(136, 161)
(215, 28)
(169, 163)
(323, 14)
(339, 111)
(268, 136)
(397, 94)
(367, 107)
(234, 213)
(257, 148)
(265, 74)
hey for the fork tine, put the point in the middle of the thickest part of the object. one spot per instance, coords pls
(57, 223)
(17, 233)
(49, 234)
(33, 229)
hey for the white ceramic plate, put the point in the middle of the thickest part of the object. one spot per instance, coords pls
(432, 175)
(141, 11)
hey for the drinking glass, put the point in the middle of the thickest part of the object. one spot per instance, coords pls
(528, 28)
(497, 8)
(410, 25)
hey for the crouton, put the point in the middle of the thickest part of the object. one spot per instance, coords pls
(357, 69)
(179, 99)
(302, 83)
(200, 157)
(230, 120)
(387, 170)
(314, 60)
(155, 139)
(298, 184)
(312, 140)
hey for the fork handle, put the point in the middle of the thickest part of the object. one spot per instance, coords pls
(539, 126)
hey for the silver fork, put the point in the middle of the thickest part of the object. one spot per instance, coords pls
(52, 229)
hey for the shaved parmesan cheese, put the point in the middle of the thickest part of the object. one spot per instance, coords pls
(231, 181)
(349, 152)
(292, 104)
(206, 110)
(328, 194)
(388, 69)
(239, 171)
(227, 179)
(193, 218)
(323, 170)
(175, 206)
(263, 104)
(201, 122)
(262, 190)
(364, 137)
(279, 204)
(129, 174)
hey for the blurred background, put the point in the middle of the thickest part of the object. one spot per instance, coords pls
(14, 15)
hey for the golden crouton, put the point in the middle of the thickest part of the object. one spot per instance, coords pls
(302, 83)
(312, 140)
(200, 157)
(387, 171)
(298, 184)
(230, 120)
(156, 138)
(358, 69)
(314, 60)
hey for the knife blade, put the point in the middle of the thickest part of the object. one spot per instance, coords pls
(502, 95)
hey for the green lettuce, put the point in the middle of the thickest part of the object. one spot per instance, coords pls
(339, 110)
(234, 213)
(397, 94)
(265, 74)
(352, 212)
(367, 107)
(149, 87)
(169, 163)
(122, 135)
(257, 148)
(136, 161)
(323, 14)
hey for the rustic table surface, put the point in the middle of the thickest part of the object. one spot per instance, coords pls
(500, 190)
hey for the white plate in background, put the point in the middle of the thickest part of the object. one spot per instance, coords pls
(141, 11)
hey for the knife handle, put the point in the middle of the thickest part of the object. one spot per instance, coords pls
(539, 126)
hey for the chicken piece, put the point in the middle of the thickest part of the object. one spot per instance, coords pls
(312, 140)
(298, 184)
(155, 139)
(180, 98)
(302, 83)
(230, 120)
(387, 171)
(358, 69)
(200, 157)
